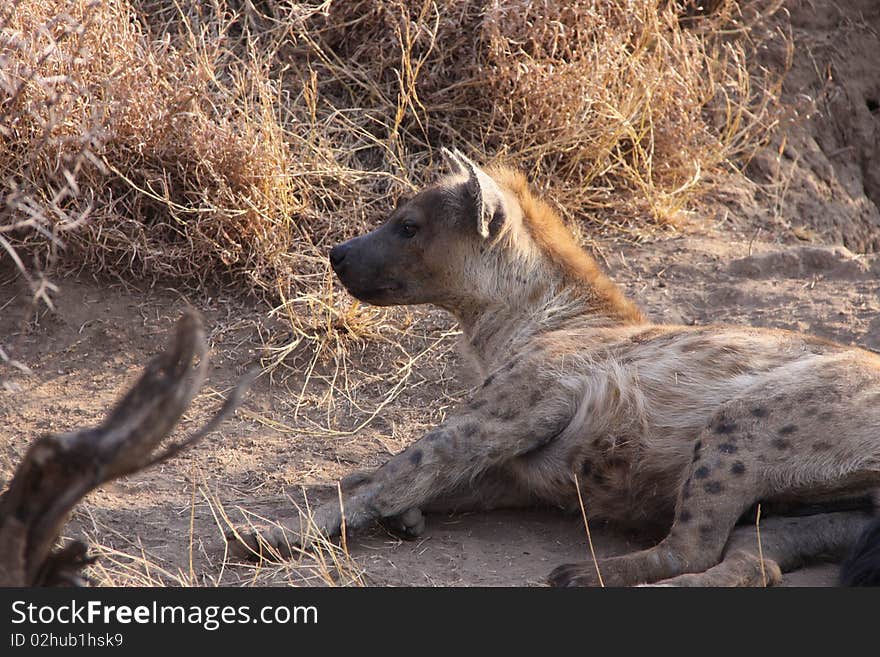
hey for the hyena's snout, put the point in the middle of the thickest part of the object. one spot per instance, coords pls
(362, 266)
(344, 260)
(355, 262)
(337, 257)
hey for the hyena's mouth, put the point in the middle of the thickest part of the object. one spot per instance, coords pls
(382, 295)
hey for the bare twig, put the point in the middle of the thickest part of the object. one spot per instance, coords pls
(59, 470)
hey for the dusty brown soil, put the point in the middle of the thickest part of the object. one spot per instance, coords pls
(773, 256)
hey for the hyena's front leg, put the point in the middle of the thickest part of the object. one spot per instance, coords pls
(455, 461)
(450, 462)
(497, 488)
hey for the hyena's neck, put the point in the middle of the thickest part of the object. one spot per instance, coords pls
(537, 279)
(492, 333)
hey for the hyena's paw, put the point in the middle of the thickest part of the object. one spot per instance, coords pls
(272, 543)
(276, 542)
(409, 525)
(574, 574)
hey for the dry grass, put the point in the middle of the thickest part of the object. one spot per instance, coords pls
(125, 561)
(622, 111)
(179, 174)
(234, 142)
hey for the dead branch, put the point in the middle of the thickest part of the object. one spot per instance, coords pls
(59, 470)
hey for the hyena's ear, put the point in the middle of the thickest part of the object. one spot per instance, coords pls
(482, 192)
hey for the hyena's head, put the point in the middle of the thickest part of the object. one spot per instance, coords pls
(434, 246)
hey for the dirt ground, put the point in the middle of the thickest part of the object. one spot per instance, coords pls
(776, 253)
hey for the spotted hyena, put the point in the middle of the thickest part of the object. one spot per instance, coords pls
(680, 426)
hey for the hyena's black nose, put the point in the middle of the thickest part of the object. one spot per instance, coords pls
(337, 255)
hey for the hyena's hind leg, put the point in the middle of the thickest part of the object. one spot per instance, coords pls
(786, 543)
(755, 448)
(719, 484)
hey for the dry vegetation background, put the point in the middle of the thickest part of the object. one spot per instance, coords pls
(233, 142)
(223, 147)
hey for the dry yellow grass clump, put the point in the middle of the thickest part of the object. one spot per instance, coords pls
(166, 169)
(235, 142)
(621, 109)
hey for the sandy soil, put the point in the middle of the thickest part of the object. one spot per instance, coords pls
(772, 255)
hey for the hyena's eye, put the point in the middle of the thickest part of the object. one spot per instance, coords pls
(408, 229)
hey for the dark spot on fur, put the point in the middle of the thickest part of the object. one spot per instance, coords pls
(505, 414)
(435, 435)
(806, 396)
(702, 472)
(470, 429)
(809, 411)
(821, 446)
(725, 427)
(535, 396)
(825, 416)
(760, 411)
(713, 487)
(684, 516)
(727, 448)
(781, 443)
(706, 532)
(415, 457)
(586, 468)
(788, 429)
(477, 404)
(686, 490)
(699, 344)
(738, 468)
